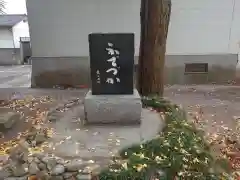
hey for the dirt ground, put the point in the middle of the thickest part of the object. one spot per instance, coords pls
(31, 113)
(216, 108)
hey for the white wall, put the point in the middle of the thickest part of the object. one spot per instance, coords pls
(20, 30)
(15, 6)
(202, 26)
(61, 28)
(6, 38)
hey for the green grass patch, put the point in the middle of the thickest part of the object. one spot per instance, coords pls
(178, 152)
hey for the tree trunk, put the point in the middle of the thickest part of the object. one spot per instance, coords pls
(155, 17)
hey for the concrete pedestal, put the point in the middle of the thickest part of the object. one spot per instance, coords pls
(113, 109)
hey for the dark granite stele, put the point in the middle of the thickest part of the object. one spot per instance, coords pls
(112, 63)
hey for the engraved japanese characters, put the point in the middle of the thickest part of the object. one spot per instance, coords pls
(111, 62)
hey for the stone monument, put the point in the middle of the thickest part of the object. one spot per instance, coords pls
(112, 99)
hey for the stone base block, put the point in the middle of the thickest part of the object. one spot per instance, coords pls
(113, 109)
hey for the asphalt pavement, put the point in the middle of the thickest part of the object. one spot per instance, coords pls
(15, 76)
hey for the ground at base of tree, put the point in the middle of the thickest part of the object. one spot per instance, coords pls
(222, 98)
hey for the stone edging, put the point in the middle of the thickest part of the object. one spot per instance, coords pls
(24, 164)
(48, 167)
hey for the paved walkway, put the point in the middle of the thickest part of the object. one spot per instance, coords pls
(15, 76)
(72, 139)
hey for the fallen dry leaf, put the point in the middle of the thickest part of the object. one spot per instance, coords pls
(33, 178)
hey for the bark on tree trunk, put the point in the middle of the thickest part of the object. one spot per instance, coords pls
(155, 17)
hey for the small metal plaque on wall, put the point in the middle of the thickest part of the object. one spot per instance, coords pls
(196, 68)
